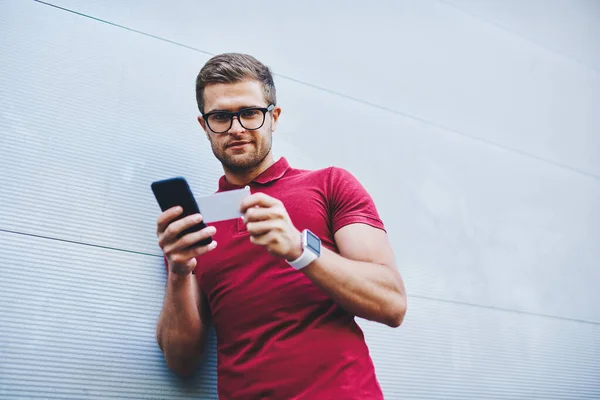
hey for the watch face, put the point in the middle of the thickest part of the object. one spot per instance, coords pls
(313, 242)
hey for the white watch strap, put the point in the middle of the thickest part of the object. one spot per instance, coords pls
(306, 258)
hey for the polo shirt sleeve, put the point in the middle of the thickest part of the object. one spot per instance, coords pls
(349, 201)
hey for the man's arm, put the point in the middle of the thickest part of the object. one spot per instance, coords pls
(183, 324)
(184, 320)
(363, 278)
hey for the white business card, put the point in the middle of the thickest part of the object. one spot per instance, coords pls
(222, 206)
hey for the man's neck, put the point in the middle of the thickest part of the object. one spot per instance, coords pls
(244, 177)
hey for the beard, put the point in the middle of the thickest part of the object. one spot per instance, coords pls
(248, 161)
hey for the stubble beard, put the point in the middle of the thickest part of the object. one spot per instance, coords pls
(248, 161)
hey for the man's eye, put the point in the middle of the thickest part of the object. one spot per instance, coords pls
(220, 117)
(250, 113)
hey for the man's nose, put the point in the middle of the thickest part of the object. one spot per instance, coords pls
(236, 126)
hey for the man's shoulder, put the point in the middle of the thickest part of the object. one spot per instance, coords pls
(329, 172)
(310, 179)
(331, 180)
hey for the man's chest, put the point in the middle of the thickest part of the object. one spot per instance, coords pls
(308, 208)
(239, 275)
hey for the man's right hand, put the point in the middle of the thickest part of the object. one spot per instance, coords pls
(178, 251)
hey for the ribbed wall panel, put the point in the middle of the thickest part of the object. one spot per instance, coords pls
(110, 149)
(476, 213)
(79, 320)
(428, 59)
(498, 243)
(453, 351)
(61, 336)
(568, 28)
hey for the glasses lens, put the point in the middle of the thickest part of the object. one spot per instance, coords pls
(219, 122)
(252, 118)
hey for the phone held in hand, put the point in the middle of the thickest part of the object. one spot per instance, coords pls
(174, 192)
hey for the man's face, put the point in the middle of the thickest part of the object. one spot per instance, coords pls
(239, 149)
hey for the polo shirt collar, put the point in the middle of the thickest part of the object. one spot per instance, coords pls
(271, 174)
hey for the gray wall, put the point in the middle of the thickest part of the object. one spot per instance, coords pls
(475, 126)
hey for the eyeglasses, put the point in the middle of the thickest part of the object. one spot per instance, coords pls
(251, 118)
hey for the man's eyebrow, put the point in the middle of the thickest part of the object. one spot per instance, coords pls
(241, 108)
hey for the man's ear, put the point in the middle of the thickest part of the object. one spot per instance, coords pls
(202, 123)
(276, 112)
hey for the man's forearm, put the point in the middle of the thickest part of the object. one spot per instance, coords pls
(181, 330)
(368, 290)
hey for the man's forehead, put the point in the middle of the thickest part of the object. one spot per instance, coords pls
(233, 95)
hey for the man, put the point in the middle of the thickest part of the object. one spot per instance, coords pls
(283, 284)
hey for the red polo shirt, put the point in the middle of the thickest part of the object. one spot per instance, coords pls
(278, 335)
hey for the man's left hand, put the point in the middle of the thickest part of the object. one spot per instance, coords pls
(269, 225)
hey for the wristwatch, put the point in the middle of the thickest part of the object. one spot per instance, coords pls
(311, 250)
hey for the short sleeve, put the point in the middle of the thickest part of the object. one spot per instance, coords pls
(349, 201)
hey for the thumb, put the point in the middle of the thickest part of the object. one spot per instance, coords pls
(192, 263)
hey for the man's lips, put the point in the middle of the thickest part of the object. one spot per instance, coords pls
(237, 144)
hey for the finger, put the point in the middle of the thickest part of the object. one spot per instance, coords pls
(165, 218)
(264, 239)
(261, 227)
(175, 228)
(258, 199)
(196, 251)
(261, 214)
(194, 237)
(185, 257)
(174, 245)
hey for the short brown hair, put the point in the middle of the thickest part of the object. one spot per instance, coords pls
(232, 68)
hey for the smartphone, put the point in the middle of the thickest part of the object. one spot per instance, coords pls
(176, 192)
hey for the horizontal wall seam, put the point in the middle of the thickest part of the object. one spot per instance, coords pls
(422, 297)
(524, 38)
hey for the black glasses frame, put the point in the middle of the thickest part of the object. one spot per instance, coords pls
(237, 114)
